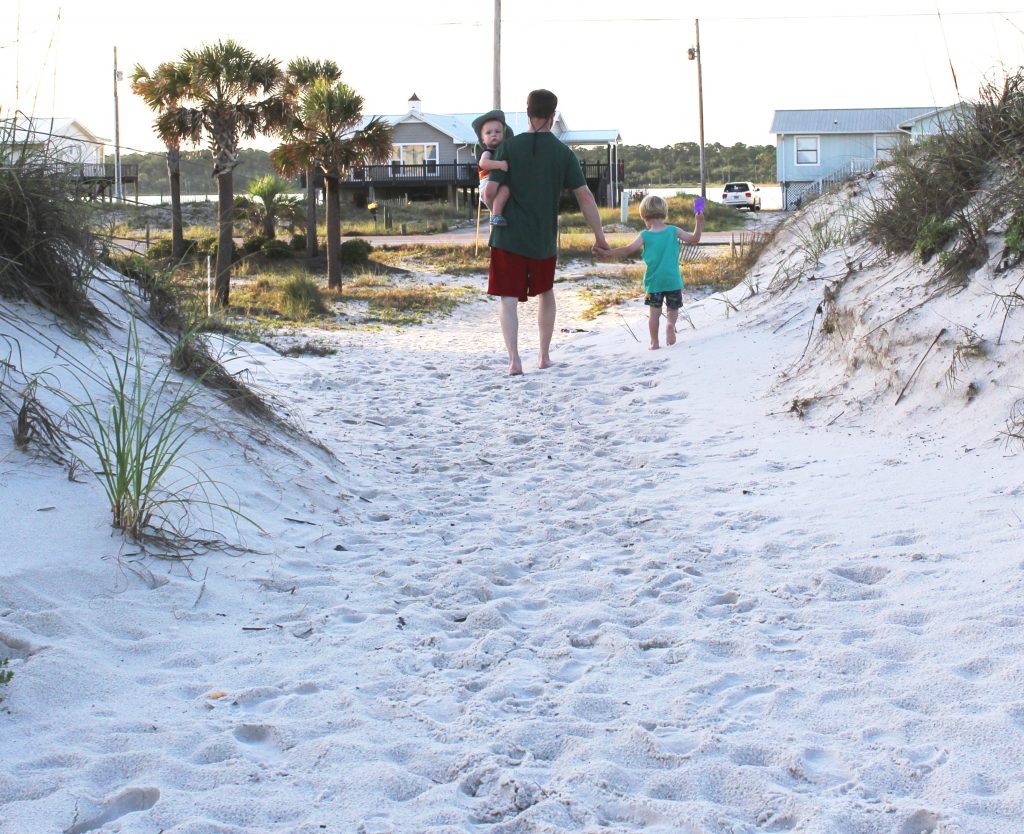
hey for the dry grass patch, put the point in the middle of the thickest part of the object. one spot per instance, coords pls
(401, 302)
(450, 259)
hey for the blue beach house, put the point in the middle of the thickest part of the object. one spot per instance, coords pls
(815, 148)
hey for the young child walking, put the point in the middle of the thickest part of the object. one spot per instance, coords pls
(663, 282)
(492, 130)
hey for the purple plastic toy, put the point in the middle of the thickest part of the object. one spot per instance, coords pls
(698, 205)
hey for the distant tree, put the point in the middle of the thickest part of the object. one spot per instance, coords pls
(228, 94)
(161, 90)
(331, 140)
(301, 73)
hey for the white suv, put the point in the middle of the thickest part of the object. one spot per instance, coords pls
(742, 195)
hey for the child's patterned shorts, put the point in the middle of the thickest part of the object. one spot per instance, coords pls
(673, 299)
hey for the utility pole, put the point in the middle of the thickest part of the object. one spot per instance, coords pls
(497, 54)
(694, 54)
(118, 189)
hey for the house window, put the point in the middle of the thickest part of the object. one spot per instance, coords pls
(414, 159)
(806, 150)
(885, 143)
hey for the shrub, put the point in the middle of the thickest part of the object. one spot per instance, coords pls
(932, 236)
(252, 245)
(159, 248)
(207, 246)
(1014, 239)
(298, 242)
(235, 254)
(276, 250)
(355, 252)
(301, 298)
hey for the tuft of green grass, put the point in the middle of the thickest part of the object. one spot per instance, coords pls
(5, 674)
(301, 298)
(138, 438)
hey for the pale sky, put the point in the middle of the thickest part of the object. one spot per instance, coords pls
(612, 64)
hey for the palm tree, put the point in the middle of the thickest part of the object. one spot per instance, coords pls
(301, 73)
(228, 94)
(161, 91)
(329, 139)
(267, 203)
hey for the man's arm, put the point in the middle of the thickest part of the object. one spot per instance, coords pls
(588, 205)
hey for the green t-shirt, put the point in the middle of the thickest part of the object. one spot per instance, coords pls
(540, 167)
(661, 257)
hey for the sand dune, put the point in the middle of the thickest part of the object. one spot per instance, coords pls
(634, 592)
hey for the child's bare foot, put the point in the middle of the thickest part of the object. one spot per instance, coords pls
(515, 368)
(654, 346)
(544, 362)
(670, 336)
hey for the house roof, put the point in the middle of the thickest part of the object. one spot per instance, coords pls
(954, 109)
(59, 127)
(590, 137)
(459, 126)
(859, 120)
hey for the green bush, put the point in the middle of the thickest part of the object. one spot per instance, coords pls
(159, 248)
(275, 250)
(355, 252)
(252, 245)
(1014, 239)
(207, 246)
(235, 254)
(298, 242)
(932, 237)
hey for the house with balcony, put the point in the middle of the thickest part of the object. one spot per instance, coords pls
(814, 148)
(434, 157)
(69, 148)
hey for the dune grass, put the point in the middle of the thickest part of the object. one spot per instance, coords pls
(46, 251)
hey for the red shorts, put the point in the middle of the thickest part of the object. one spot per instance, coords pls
(517, 275)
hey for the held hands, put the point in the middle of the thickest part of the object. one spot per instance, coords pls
(600, 251)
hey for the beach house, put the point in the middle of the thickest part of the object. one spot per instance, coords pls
(68, 147)
(433, 157)
(815, 148)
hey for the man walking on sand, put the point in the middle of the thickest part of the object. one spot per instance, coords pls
(523, 252)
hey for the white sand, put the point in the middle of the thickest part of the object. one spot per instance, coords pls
(634, 592)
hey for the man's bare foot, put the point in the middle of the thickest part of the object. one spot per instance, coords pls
(670, 336)
(515, 368)
(654, 346)
(544, 362)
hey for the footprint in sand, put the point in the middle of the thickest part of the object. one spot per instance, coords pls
(129, 801)
(920, 822)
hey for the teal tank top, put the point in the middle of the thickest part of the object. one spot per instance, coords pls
(661, 256)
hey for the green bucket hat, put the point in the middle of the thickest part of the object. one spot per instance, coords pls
(491, 116)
